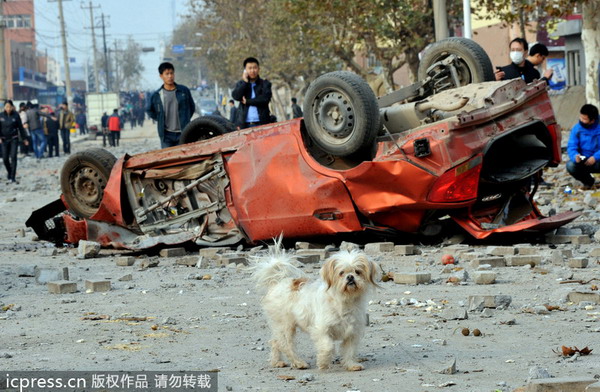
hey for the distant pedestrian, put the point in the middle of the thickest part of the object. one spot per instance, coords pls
(36, 130)
(171, 106)
(105, 131)
(296, 109)
(233, 111)
(51, 129)
(81, 121)
(11, 132)
(254, 94)
(115, 126)
(65, 123)
(25, 149)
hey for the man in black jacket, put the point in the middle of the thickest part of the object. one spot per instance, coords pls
(519, 66)
(254, 94)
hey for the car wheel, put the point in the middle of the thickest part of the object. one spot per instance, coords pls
(341, 113)
(83, 179)
(205, 127)
(474, 65)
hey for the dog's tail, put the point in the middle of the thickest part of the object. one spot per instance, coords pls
(270, 269)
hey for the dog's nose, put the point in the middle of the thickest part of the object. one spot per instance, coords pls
(350, 278)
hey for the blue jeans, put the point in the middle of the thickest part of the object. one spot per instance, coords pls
(65, 134)
(582, 173)
(39, 142)
(170, 139)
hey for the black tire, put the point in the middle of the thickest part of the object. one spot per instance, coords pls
(205, 127)
(475, 65)
(341, 113)
(83, 178)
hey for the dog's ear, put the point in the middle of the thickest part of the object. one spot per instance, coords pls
(328, 271)
(371, 269)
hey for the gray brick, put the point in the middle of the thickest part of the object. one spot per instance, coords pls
(308, 245)
(97, 286)
(26, 270)
(412, 277)
(595, 252)
(45, 275)
(527, 250)
(231, 258)
(309, 259)
(125, 261)
(87, 249)
(62, 287)
(322, 253)
(500, 250)
(493, 261)
(562, 384)
(348, 246)
(189, 261)
(376, 248)
(479, 302)
(172, 252)
(578, 262)
(484, 277)
(211, 253)
(517, 261)
(149, 263)
(567, 239)
(579, 296)
(595, 387)
(404, 250)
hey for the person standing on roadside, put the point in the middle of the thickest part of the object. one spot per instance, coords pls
(23, 114)
(36, 130)
(233, 111)
(115, 126)
(105, 131)
(81, 121)
(519, 66)
(255, 95)
(296, 109)
(538, 53)
(51, 129)
(65, 122)
(11, 132)
(171, 106)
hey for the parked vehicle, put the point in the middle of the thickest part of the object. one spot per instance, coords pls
(455, 145)
(99, 103)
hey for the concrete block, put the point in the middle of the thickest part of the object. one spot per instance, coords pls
(308, 245)
(567, 239)
(230, 258)
(97, 286)
(454, 314)
(581, 296)
(149, 263)
(62, 287)
(188, 261)
(376, 248)
(557, 258)
(45, 275)
(309, 259)
(518, 261)
(412, 277)
(404, 250)
(578, 262)
(125, 261)
(126, 278)
(562, 384)
(484, 277)
(469, 256)
(527, 250)
(348, 246)
(87, 249)
(595, 252)
(479, 302)
(172, 252)
(493, 261)
(26, 270)
(211, 253)
(322, 253)
(500, 250)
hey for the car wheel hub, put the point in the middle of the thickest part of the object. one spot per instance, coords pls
(87, 187)
(335, 114)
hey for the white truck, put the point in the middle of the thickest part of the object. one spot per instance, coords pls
(99, 103)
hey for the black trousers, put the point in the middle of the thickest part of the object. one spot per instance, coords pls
(9, 155)
(66, 138)
(53, 145)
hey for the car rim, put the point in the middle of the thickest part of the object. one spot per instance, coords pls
(335, 115)
(88, 186)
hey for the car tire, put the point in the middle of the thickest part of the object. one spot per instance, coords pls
(341, 113)
(475, 66)
(83, 178)
(205, 127)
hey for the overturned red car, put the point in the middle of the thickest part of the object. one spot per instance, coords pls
(452, 145)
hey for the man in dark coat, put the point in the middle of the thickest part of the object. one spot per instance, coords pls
(254, 94)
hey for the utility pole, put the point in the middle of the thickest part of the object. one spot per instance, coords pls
(2, 56)
(117, 87)
(63, 35)
(106, 62)
(440, 19)
(467, 19)
(96, 79)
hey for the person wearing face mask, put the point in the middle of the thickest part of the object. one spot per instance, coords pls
(519, 67)
(584, 146)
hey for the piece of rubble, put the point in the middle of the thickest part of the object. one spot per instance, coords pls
(596, 251)
(582, 296)
(567, 239)
(149, 263)
(595, 387)
(226, 259)
(484, 277)
(125, 261)
(578, 262)
(97, 286)
(450, 369)
(570, 384)
(211, 253)
(45, 275)
(188, 261)
(412, 277)
(126, 278)
(375, 248)
(454, 314)
(88, 249)
(479, 302)
(308, 245)
(487, 313)
(62, 287)
(538, 373)
(500, 250)
(349, 246)
(172, 252)
(309, 259)
(26, 270)
(493, 261)
(322, 253)
(519, 261)
(404, 250)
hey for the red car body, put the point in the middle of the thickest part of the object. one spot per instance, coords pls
(271, 180)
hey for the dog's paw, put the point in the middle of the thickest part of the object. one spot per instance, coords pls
(300, 365)
(354, 367)
(280, 364)
(323, 366)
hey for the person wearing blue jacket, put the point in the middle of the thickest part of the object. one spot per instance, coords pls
(584, 146)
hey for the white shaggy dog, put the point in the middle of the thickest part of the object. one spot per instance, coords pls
(329, 309)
